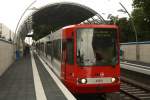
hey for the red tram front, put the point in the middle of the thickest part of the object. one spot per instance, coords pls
(90, 58)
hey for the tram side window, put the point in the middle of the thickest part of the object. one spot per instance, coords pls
(42, 47)
(70, 51)
(52, 50)
(49, 50)
(57, 49)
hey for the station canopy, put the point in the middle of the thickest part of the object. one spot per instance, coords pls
(55, 16)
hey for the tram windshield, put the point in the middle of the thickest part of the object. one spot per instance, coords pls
(96, 47)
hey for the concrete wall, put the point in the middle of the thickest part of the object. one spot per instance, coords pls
(143, 51)
(7, 55)
(129, 52)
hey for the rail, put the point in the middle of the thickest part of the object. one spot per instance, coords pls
(134, 91)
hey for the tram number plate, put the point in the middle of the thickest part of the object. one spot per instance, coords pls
(99, 80)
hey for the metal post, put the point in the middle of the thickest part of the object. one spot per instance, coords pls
(95, 20)
(22, 16)
(101, 18)
(135, 32)
(88, 21)
(15, 36)
(9, 35)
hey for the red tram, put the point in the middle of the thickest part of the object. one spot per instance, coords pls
(85, 57)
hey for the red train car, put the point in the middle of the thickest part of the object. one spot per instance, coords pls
(85, 57)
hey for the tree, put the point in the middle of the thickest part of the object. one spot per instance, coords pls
(141, 14)
(127, 33)
(143, 4)
(141, 17)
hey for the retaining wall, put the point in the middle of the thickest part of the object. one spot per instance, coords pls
(7, 55)
(143, 51)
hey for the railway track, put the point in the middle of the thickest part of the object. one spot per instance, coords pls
(133, 91)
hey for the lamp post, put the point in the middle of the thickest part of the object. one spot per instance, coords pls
(134, 29)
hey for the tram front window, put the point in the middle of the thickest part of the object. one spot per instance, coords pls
(96, 47)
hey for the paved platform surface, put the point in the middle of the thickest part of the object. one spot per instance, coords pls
(51, 89)
(17, 82)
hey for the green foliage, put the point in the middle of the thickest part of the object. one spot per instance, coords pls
(145, 5)
(144, 36)
(138, 18)
(140, 21)
(141, 18)
(127, 33)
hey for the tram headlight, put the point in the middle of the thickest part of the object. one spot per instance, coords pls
(83, 81)
(113, 80)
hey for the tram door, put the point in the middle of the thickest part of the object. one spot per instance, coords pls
(63, 66)
(68, 61)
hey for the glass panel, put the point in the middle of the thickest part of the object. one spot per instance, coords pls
(96, 47)
(70, 51)
(57, 49)
(49, 48)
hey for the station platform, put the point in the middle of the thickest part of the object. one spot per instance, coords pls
(137, 63)
(20, 82)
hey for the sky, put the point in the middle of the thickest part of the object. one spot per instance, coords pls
(11, 10)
